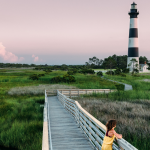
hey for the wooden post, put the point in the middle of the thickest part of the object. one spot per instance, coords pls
(110, 90)
(86, 92)
(78, 93)
(70, 93)
(104, 91)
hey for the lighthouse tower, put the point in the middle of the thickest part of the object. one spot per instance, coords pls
(133, 46)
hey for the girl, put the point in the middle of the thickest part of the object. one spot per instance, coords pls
(110, 135)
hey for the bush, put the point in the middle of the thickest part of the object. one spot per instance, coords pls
(123, 75)
(47, 71)
(40, 75)
(100, 73)
(75, 71)
(125, 70)
(70, 72)
(136, 70)
(135, 75)
(120, 87)
(34, 77)
(68, 78)
(85, 71)
(117, 71)
(56, 79)
(110, 73)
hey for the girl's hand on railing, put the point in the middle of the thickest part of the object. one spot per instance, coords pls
(120, 136)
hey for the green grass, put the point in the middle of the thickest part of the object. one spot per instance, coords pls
(21, 122)
(21, 119)
(102, 69)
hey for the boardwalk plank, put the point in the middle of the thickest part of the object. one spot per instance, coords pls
(65, 132)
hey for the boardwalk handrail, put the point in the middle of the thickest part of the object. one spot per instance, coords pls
(48, 118)
(77, 92)
(93, 128)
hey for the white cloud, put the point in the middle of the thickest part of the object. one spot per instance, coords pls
(8, 56)
(36, 58)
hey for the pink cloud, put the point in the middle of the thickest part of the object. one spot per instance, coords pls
(35, 58)
(8, 56)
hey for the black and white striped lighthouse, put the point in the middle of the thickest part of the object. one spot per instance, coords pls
(133, 46)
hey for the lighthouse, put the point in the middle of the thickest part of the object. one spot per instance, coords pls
(133, 46)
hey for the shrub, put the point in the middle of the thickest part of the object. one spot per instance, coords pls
(4, 108)
(125, 70)
(56, 79)
(34, 77)
(68, 78)
(85, 71)
(70, 72)
(136, 70)
(120, 87)
(47, 71)
(40, 75)
(135, 75)
(117, 71)
(75, 71)
(110, 73)
(100, 73)
(123, 75)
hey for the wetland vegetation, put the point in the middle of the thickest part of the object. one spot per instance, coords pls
(21, 119)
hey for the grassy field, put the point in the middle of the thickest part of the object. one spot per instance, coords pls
(133, 117)
(21, 119)
(102, 69)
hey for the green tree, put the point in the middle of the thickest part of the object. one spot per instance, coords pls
(142, 59)
(133, 63)
(110, 62)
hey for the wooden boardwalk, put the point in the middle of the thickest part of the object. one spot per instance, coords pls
(65, 132)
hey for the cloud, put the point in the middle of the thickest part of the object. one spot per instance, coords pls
(36, 58)
(8, 56)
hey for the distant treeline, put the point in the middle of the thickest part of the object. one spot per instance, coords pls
(112, 62)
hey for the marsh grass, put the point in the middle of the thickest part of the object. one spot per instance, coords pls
(122, 95)
(35, 90)
(21, 123)
(21, 119)
(133, 118)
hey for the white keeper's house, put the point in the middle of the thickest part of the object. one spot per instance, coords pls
(143, 67)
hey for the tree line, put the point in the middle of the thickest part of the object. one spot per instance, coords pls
(112, 62)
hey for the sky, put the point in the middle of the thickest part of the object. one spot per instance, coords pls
(57, 32)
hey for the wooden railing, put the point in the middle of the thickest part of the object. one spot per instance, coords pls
(93, 129)
(78, 92)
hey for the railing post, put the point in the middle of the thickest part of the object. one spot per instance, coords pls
(78, 93)
(70, 93)
(79, 116)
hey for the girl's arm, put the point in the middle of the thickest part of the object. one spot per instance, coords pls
(119, 136)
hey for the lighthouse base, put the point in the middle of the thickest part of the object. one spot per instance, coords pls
(130, 62)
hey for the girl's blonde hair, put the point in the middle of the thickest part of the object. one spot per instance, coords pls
(110, 124)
